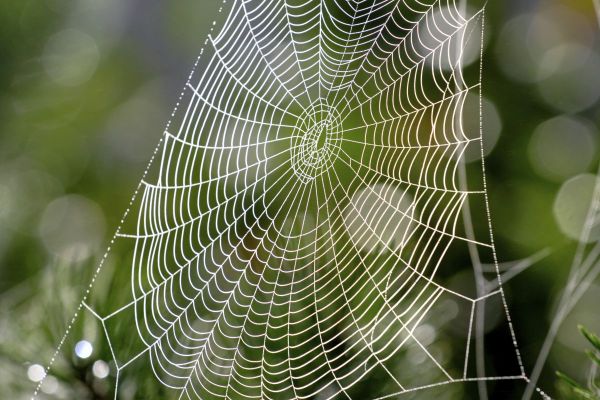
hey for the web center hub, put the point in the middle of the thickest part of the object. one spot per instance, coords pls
(316, 141)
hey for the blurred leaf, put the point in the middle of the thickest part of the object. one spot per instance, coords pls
(590, 393)
(592, 338)
(593, 356)
(568, 380)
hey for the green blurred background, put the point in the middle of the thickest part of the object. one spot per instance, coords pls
(86, 87)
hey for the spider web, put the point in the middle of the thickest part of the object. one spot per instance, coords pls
(286, 243)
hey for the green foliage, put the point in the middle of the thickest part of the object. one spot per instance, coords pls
(592, 390)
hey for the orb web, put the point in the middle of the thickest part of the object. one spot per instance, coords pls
(287, 241)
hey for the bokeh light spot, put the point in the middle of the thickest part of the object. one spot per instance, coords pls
(572, 204)
(574, 83)
(492, 126)
(562, 147)
(35, 373)
(525, 41)
(70, 57)
(72, 227)
(50, 385)
(83, 349)
(100, 369)
(380, 217)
